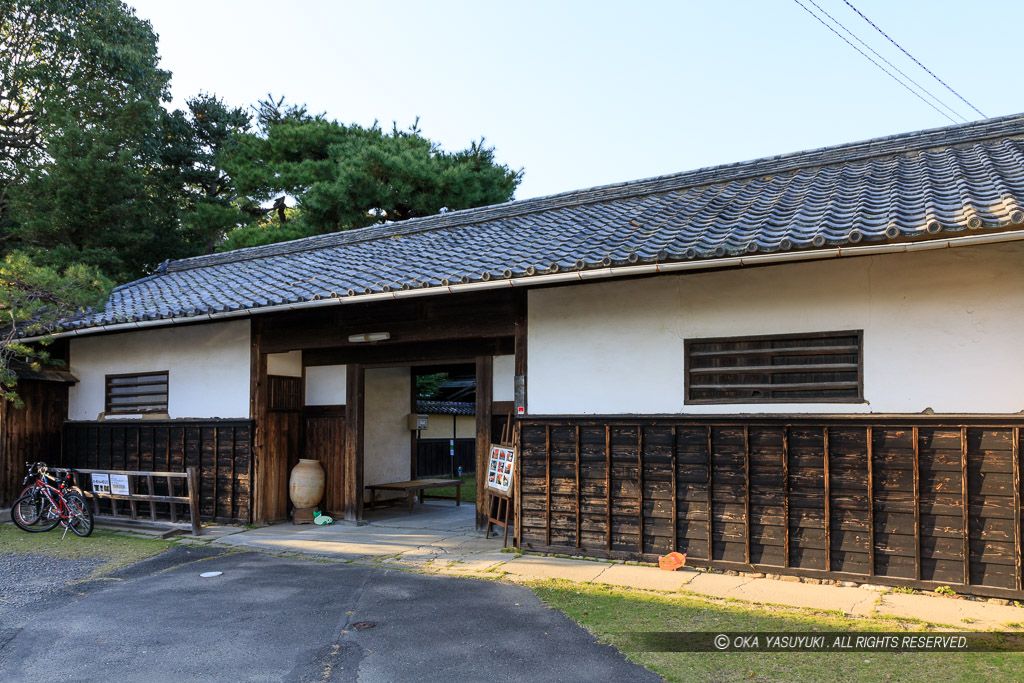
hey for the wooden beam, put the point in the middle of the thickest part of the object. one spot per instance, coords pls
(785, 495)
(547, 485)
(579, 526)
(386, 353)
(482, 324)
(520, 334)
(870, 437)
(608, 483)
(917, 505)
(711, 489)
(484, 399)
(746, 493)
(1017, 560)
(828, 501)
(352, 458)
(675, 502)
(965, 521)
(259, 403)
(640, 487)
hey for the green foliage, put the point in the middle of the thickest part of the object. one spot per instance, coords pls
(345, 177)
(427, 386)
(68, 61)
(33, 300)
(197, 141)
(945, 590)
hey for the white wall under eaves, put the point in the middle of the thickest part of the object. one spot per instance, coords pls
(208, 368)
(942, 330)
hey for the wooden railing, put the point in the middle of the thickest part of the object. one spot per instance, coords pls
(190, 479)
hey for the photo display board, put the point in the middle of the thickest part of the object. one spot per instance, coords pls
(500, 469)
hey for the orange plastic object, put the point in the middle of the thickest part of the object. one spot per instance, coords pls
(672, 561)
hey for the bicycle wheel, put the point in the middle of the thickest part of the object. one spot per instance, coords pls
(34, 513)
(79, 514)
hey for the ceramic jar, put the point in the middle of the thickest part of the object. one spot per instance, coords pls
(306, 484)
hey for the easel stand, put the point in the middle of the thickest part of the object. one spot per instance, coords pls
(498, 511)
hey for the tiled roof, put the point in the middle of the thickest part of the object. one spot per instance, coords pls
(922, 185)
(446, 407)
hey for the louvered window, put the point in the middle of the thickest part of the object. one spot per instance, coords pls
(137, 393)
(819, 367)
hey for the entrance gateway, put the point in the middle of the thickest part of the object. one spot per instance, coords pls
(341, 387)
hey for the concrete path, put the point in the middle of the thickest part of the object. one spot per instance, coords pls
(441, 537)
(267, 618)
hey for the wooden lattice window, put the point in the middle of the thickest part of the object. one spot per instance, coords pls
(136, 393)
(817, 367)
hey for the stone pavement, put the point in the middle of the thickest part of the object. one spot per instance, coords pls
(441, 537)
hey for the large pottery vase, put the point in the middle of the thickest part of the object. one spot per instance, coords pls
(306, 484)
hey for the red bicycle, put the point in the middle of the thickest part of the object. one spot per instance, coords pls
(50, 500)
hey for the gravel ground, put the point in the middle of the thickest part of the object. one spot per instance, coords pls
(26, 577)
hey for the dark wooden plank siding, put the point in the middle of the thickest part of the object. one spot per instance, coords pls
(30, 433)
(853, 498)
(221, 450)
(325, 441)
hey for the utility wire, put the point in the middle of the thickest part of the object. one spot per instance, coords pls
(893, 66)
(913, 59)
(868, 57)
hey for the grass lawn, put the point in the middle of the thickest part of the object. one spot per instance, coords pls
(611, 614)
(119, 550)
(468, 489)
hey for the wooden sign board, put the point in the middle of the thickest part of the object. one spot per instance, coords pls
(500, 470)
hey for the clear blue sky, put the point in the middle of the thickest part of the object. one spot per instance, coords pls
(588, 93)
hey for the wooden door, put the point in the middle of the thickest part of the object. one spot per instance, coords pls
(325, 441)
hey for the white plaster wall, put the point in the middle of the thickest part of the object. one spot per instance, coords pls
(286, 364)
(325, 385)
(942, 330)
(504, 378)
(441, 427)
(386, 436)
(208, 368)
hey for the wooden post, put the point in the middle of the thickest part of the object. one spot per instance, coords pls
(785, 495)
(547, 484)
(352, 458)
(484, 400)
(520, 337)
(871, 501)
(640, 487)
(578, 501)
(259, 495)
(152, 505)
(193, 499)
(608, 484)
(216, 447)
(711, 488)
(1017, 560)
(917, 505)
(966, 523)
(675, 512)
(828, 502)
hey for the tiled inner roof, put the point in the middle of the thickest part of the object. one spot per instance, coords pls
(918, 185)
(446, 407)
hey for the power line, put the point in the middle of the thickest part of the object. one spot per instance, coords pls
(868, 57)
(893, 66)
(913, 59)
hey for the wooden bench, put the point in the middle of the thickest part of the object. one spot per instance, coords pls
(411, 487)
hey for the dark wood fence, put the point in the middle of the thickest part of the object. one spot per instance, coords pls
(219, 449)
(433, 457)
(30, 433)
(900, 501)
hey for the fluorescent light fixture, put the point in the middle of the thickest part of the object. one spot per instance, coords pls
(369, 337)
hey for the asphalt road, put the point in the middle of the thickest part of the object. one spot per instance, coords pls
(280, 619)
